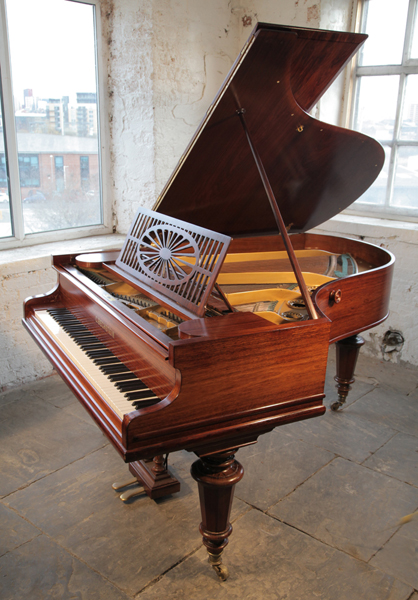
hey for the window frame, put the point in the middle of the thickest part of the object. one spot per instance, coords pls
(407, 67)
(20, 239)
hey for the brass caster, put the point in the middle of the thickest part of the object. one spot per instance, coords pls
(336, 405)
(221, 571)
(215, 561)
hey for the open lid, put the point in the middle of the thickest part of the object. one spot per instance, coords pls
(315, 169)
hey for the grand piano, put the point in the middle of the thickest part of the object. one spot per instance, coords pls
(212, 325)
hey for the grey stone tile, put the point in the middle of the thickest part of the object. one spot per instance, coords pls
(388, 408)
(41, 570)
(348, 507)
(275, 466)
(358, 390)
(37, 438)
(398, 458)
(15, 531)
(414, 394)
(76, 409)
(269, 560)
(389, 375)
(55, 391)
(15, 395)
(349, 436)
(129, 544)
(399, 556)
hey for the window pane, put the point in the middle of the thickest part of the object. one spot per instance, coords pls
(55, 96)
(376, 194)
(409, 122)
(376, 106)
(414, 47)
(386, 29)
(405, 194)
(5, 212)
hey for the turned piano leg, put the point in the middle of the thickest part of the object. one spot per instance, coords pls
(216, 476)
(347, 351)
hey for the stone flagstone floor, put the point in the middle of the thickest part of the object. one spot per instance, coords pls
(315, 516)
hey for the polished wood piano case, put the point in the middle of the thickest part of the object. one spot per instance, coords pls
(211, 377)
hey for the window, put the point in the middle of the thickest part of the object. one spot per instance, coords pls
(59, 173)
(84, 172)
(29, 170)
(5, 209)
(386, 104)
(50, 161)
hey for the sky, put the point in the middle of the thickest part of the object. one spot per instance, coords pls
(52, 47)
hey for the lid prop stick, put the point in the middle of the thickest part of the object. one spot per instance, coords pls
(280, 223)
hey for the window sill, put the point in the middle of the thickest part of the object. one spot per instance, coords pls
(370, 227)
(35, 258)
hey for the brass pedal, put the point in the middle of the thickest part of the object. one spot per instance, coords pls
(132, 493)
(136, 491)
(122, 484)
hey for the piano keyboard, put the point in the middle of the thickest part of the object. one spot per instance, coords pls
(122, 390)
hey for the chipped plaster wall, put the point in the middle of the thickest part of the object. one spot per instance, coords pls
(195, 45)
(128, 60)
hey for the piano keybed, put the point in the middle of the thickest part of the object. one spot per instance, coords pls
(122, 389)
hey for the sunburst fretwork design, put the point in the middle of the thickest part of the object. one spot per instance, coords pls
(173, 257)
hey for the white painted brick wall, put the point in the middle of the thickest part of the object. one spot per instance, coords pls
(20, 358)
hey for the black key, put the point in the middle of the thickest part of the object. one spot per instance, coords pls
(122, 376)
(138, 405)
(95, 347)
(98, 353)
(106, 361)
(131, 386)
(139, 394)
(109, 369)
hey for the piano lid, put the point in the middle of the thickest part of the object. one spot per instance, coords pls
(316, 170)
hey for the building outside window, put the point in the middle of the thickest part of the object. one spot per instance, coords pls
(386, 104)
(29, 170)
(49, 130)
(84, 172)
(59, 173)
